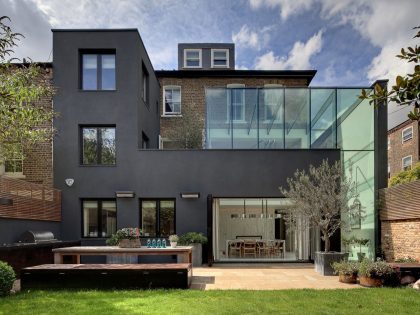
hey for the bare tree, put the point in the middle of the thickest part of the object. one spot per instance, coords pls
(322, 196)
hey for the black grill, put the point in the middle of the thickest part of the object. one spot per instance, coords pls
(36, 237)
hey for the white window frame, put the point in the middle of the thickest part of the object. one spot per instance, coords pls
(177, 114)
(389, 143)
(402, 134)
(389, 171)
(271, 86)
(227, 58)
(200, 59)
(235, 86)
(14, 174)
(402, 161)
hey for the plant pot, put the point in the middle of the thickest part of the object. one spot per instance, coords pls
(361, 256)
(126, 243)
(347, 278)
(370, 282)
(324, 260)
(173, 244)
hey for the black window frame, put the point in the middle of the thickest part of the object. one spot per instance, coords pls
(99, 218)
(145, 93)
(157, 224)
(98, 153)
(99, 53)
(145, 141)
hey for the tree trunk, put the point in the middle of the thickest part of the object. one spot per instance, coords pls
(327, 242)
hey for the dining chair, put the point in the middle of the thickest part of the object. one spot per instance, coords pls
(263, 248)
(235, 247)
(249, 248)
(278, 248)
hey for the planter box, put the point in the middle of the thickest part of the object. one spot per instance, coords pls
(323, 261)
(197, 255)
(126, 243)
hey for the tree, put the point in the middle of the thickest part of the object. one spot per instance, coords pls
(322, 197)
(187, 131)
(25, 121)
(406, 90)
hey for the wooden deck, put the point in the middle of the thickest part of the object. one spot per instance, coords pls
(107, 276)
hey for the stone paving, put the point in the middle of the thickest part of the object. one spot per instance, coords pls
(263, 277)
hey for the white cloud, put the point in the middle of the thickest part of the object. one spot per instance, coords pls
(298, 58)
(246, 37)
(241, 67)
(287, 8)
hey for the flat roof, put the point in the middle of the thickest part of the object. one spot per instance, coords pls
(94, 30)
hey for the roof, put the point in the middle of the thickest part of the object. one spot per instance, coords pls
(94, 30)
(26, 64)
(401, 125)
(308, 74)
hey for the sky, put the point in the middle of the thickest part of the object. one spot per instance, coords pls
(349, 42)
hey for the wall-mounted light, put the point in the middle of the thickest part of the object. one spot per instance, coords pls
(124, 194)
(190, 195)
(69, 181)
(6, 202)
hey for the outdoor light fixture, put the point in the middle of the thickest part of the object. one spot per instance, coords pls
(6, 202)
(190, 195)
(124, 194)
(69, 181)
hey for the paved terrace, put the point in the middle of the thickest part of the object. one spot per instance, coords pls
(263, 277)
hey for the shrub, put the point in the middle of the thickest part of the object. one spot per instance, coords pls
(192, 238)
(348, 268)
(406, 259)
(125, 233)
(375, 269)
(406, 176)
(173, 238)
(7, 277)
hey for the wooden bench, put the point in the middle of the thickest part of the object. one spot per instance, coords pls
(106, 276)
(407, 268)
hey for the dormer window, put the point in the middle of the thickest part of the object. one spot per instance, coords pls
(220, 58)
(192, 58)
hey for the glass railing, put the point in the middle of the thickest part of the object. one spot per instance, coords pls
(288, 118)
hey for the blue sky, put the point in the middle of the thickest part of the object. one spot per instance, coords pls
(349, 42)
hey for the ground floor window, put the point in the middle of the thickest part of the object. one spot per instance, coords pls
(157, 217)
(259, 229)
(99, 217)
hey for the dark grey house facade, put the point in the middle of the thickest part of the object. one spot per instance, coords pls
(110, 104)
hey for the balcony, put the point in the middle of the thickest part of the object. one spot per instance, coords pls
(288, 118)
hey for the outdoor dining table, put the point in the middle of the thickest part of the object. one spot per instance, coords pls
(283, 242)
(184, 253)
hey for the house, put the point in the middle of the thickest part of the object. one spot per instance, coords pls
(118, 164)
(403, 147)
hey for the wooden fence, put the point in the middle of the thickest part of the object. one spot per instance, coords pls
(30, 201)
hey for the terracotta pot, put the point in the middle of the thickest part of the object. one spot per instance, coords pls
(126, 243)
(347, 279)
(370, 282)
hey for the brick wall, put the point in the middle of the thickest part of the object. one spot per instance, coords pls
(401, 238)
(37, 165)
(398, 149)
(193, 93)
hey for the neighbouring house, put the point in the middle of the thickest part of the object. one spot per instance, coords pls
(403, 147)
(117, 163)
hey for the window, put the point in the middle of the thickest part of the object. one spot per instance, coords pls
(192, 58)
(389, 172)
(236, 102)
(98, 71)
(273, 101)
(407, 134)
(220, 58)
(145, 87)
(98, 145)
(157, 217)
(144, 141)
(99, 218)
(171, 100)
(406, 162)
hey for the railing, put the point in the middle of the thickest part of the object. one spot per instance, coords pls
(29, 201)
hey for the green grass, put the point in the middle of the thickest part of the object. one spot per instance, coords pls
(353, 301)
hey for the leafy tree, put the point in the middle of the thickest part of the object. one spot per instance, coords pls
(406, 90)
(406, 176)
(322, 197)
(25, 120)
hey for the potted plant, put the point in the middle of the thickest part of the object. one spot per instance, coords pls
(173, 239)
(347, 271)
(361, 242)
(196, 240)
(126, 238)
(374, 273)
(320, 198)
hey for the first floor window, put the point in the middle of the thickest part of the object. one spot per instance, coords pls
(171, 100)
(99, 218)
(145, 88)
(407, 134)
(98, 145)
(157, 217)
(14, 166)
(407, 162)
(98, 71)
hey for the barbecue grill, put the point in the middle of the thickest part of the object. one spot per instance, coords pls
(36, 237)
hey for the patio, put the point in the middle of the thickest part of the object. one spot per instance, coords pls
(263, 277)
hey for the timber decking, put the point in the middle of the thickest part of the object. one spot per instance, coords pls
(106, 276)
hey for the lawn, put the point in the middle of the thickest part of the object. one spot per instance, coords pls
(353, 301)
